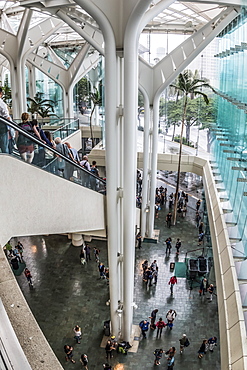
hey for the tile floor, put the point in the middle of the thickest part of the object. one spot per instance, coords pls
(66, 293)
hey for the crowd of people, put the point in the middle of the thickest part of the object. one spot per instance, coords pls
(32, 152)
(150, 274)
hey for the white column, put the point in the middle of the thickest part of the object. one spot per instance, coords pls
(70, 102)
(31, 80)
(18, 87)
(65, 102)
(145, 176)
(153, 165)
(77, 240)
(130, 158)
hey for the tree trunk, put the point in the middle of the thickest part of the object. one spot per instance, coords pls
(91, 126)
(173, 134)
(187, 133)
(179, 163)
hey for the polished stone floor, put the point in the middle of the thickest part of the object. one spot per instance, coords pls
(66, 293)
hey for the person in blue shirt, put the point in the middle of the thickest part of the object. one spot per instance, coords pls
(144, 325)
(212, 342)
(170, 362)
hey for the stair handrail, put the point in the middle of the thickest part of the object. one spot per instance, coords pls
(41, 143)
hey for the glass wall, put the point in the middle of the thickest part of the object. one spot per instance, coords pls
(230, 134)
(51, 90)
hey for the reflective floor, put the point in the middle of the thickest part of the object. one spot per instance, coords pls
(66, 293)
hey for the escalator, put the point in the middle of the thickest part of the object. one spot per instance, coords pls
(53, 161)
(51, 195)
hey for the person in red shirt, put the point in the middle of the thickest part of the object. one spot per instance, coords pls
(172, 282)
(160, 325)
(28, 276)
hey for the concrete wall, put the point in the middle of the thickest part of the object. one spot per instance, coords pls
(34, 202)
(74, 140)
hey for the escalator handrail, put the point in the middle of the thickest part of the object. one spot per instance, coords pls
(41, 143)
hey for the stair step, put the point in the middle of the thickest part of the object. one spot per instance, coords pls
(218, 181)
(224, 199)
(216, 173)
(227, 210)
(231, 224)
(220, 189)
(234, 240)
(242, 281)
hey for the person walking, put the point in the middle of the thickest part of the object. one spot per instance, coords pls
(198, 203)
(155, 275)
(87, 250)
(160, 325)
(84, 361)
(168, 246)
(108, 349)
(203, 286)
(170, 363)
(158, 355)
(4, 137)
(9, 249)
(139, 240)
(101, 268)
(170, 316)
(169, 220)
(69, 353)
(178, 246)
(153, 319)
(16, 253)
(28, 275)
(77, 331)
(211, 292)
(20, 248)
(144, 325)
(107, 367)
(96, 252)
(172, 282)
(184, 342)
(200, 228)
(197, 219)
(203, 349)
(82, 257)
(171, 352)
(212, 342)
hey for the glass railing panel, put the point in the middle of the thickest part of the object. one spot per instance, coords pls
(67, 130)
(35, 152)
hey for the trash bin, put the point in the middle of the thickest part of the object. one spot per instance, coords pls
(107, 329)
(203, 266)
(172, 266)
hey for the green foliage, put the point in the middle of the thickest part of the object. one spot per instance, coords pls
(7, 98)
(140, 99)
(185, 142)
(41, 106)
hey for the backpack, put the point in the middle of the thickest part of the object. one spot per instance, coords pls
(156, 352)
(27, 126)
(3, 128)
(85, 165)
(187, 343)
(95, 171)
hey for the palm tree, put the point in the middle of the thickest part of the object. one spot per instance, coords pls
(96, 99)
(188, 85)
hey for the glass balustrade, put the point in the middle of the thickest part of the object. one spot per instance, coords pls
(56, 161)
